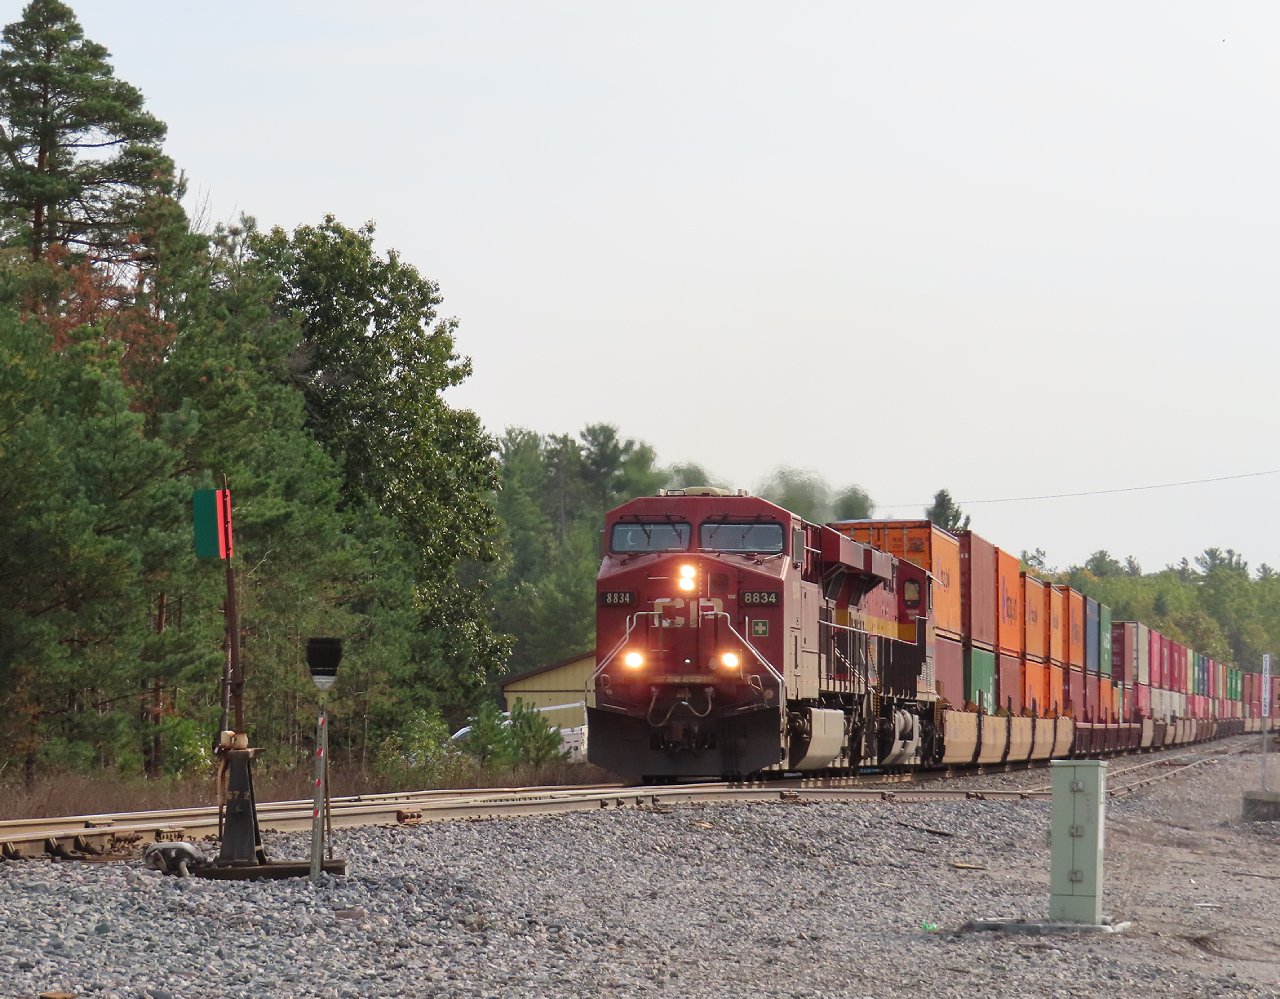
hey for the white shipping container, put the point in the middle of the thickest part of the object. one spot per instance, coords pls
(1144, 653)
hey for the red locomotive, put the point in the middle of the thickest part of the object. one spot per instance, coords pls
(736, 638)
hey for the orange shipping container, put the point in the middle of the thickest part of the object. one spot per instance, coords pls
(1055, 625)
(1009, 622)
(1073, 625)
(1106, 701)
(925, 545)
(1036, 697)
(1035, 633)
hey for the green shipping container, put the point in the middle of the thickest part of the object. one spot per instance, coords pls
(980, 677)
(1104, 640)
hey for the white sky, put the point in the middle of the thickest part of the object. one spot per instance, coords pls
(1007, 249)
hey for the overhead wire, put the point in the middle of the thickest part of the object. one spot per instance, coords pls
(1098, 492)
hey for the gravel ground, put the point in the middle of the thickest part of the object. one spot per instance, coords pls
(782, 899)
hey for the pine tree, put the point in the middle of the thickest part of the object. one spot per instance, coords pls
(80, 158)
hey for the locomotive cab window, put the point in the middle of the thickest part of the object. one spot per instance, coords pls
(664, 536)
(911, 593)
(764, 539)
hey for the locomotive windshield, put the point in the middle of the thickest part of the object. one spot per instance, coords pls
(766, 539)
(665, 536)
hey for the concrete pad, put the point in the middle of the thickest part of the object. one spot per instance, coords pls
(1041, 928)
(1261, 806)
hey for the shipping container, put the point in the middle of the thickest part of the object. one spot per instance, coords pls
(1155, 645)
(1144, 654)
(1073, 623)
(1009, 683)
(1090, 635)
(1091, 711)
(978, 590)
(1124, 650)
(1009, 617)
(1073, 691)
(1106, 700)
(1036, 632)
(1057, 690)
(1036, 693)
(1056, 621)
(948, 671)
(926, 545)
(980, 677)
(1143, 698)
(1104, 640)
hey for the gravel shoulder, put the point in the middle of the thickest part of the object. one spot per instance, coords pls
(781, 899)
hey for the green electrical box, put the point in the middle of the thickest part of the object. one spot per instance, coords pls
(1077, 832)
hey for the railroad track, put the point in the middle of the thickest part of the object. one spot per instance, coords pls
(118, 836)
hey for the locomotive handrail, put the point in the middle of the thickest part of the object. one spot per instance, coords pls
(850, 666)
(604, 663)
(782, 681)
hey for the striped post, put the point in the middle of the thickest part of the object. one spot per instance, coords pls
(317, 814)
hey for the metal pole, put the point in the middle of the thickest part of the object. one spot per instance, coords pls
(317, 815)
(1265, 701)
(328, 805)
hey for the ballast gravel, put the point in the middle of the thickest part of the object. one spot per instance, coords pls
(780, 899)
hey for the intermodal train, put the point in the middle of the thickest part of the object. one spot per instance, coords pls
(734, 638)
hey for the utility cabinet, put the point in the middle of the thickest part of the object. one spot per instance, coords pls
(1076, 830)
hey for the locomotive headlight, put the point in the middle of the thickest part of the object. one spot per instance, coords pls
(688, 578)
(633, 660)
(730, 660)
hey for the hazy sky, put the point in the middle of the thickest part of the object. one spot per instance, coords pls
(1010, 249)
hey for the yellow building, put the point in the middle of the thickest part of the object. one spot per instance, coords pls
(559, 690)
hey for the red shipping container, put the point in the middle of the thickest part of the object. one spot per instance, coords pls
(948, 670)
(1009, 683)
(1154, 643)
(1143, 698)
(978, 590)
(1036, 632)
(1074, 692)
(1124, 651)
(1091, 712)
(1009, 617)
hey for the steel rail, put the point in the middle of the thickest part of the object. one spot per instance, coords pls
(102, 836)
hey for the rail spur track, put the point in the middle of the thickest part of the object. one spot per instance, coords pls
(120, 836)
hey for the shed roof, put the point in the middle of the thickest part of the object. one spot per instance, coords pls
(539, 670)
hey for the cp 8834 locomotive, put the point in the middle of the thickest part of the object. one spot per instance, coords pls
(733, 637)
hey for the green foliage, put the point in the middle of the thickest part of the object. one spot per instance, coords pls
(533, 740)
(421, 754)
(79, 157)
(852, 503)
(372, 361)
(690, 473)
(490, 739)
(807, 494)
(946, 513)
